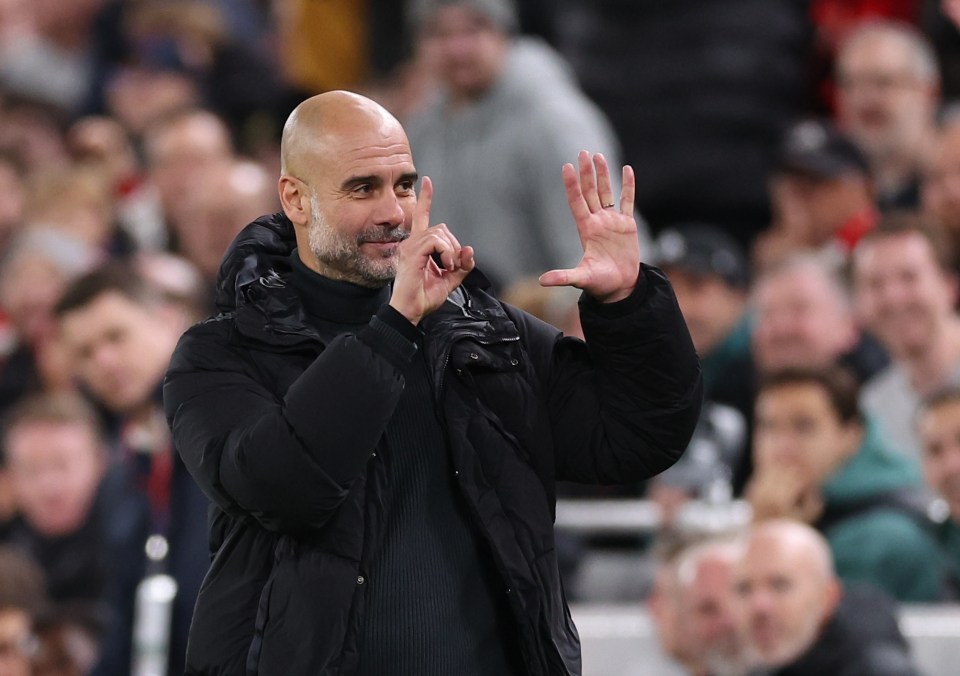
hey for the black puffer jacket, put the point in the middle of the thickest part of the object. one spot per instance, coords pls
(280, 425)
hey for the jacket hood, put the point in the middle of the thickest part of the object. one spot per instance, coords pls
(873, 470)
(252, 256)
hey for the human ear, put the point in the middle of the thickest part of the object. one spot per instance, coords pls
(294, 199)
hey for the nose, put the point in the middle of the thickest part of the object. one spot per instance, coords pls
(389, 211)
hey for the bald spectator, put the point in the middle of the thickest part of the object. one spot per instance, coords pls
(938, 423)
(708, 608)
(804, 317)
(817, 460)
(507, 117)
(821, 195)
(797, 618)
(888, 90)
(941, 183)
(905, 292)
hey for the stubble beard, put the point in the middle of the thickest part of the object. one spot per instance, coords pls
(340, 257)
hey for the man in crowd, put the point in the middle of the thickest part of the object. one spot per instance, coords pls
(888, 91)
(709, 607)
(905, 293)
(508, 113)
(120, 333)
(821, 195)
(81, 522)
(799, 620)
(817, 460)
(381, 437)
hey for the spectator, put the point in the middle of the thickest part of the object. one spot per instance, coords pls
(709, 608)
(820, 193)
(798, 619)
(507, 118)
(710, 275)
(178, 149)
(22, 597)
(121, 335)
(818, 461)
(804, 317)
(938, 423)
(81, 524)
(663, 604)
(905, 293)
(13, 199)
(940, 191)
(887, 96)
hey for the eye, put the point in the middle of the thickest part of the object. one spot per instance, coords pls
(363, 189)
(405, 187)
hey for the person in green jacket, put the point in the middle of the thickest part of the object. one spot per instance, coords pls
(818, 460)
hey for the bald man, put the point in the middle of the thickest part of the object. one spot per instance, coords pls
(380, 436)
(796, 618)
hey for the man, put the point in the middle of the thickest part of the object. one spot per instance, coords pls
(120, 333)
(798, 620)
(818, 461)
(710, 274)
(821, 195)
(709, 607)
(938, 423)
(381, 437)
(905, 293)
(888, 91)
(941, 183)
(804, 317)
(22, 597)
(507, 115)
(80, 521)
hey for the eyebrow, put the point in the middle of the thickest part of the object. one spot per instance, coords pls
(376, 181)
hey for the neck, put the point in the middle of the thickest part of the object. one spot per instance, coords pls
(897, 168)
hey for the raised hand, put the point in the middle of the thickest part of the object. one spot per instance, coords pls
(421, 285)
(611, 249)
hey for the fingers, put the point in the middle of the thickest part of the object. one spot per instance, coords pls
(578, 206)
(588, 181)
(439, 247)
(604, 184)
(421, 212)
(571, 277)
(629, 190)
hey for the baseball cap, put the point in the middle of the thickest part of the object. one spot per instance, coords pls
(817, 148)
(704, 249)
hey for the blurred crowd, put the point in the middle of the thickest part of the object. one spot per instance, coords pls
(798, 179)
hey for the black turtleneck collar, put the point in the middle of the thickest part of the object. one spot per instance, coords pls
(332, 300)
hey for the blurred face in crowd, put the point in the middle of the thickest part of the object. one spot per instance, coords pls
(939, 428)
(465, 49)
(120, 348)
(709, 610)
(350, 192)
(819, 205)
(796, 428)
(801, 320)
(12, 202)
(787, 592)
(941, 185)
(664, 607)
(55, 468)
(15, 642)
(902, 294)
(179, 154)
(710, 306)
(884, 100)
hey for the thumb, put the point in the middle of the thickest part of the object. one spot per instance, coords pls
(570, 277)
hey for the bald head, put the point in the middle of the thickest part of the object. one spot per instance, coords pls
(320, 126)
(787, 589)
